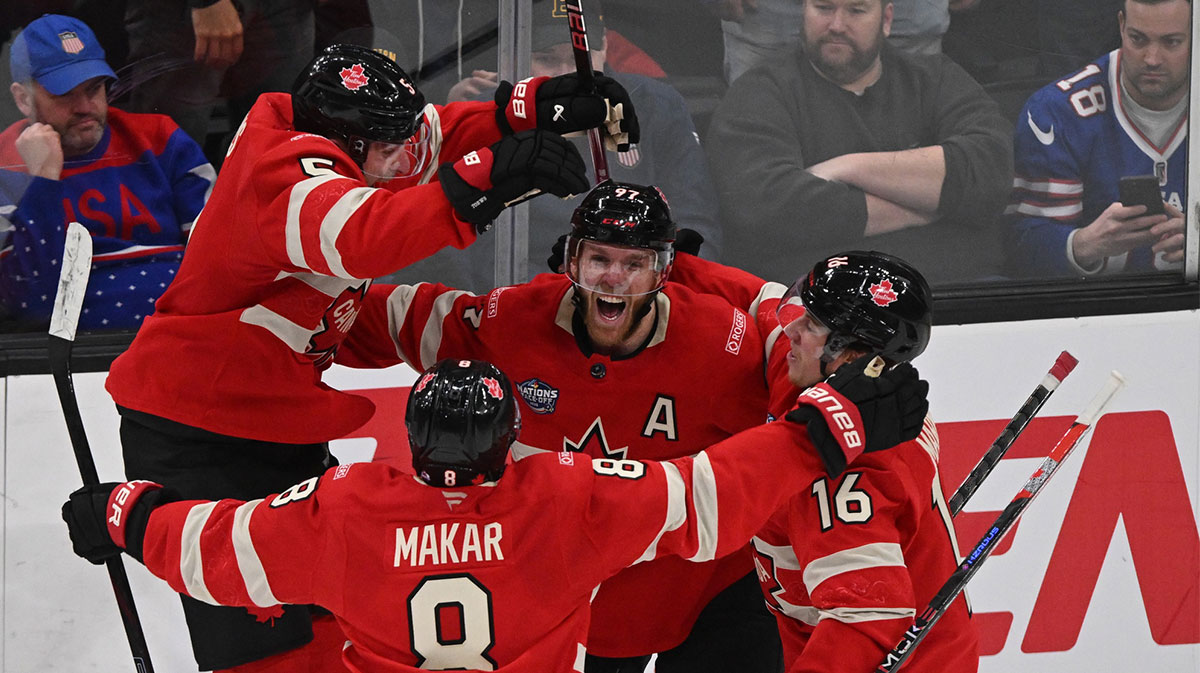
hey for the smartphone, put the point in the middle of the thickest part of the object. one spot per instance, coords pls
(1141, 190)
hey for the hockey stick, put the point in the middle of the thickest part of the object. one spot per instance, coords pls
(587, 81)
(983, 549)
(1062, 367)
(72, 285)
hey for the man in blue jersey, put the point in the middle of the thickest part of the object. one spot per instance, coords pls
(135, 181)
(1124, 114)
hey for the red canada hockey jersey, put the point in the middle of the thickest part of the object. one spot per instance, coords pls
(877, 542)
(488, 577)
(698, 381)
(875, 545)
(276, 266)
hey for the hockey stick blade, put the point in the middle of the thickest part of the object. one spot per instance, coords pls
(72, 282)
(957, 581)
(1063, 366)
(587, 81)
(68, 303)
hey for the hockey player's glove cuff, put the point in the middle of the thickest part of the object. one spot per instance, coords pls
(105, 518)
(852, 412)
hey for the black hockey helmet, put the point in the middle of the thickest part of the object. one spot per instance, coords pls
(358, 96)
(625, 214)
(461, 419)
(869, 300)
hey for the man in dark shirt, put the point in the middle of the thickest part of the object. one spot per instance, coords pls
(849, 142)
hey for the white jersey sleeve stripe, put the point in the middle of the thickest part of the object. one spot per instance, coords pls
(291, 230)
(333, 223)
(854, 615)
(874, 555)
(249, 564)
(676, 509)
(295, 336)
(704, 499)
(398, 303)
(805, 613)
(1026, 208)
(431, 336)
(191, 565)
(434, 121)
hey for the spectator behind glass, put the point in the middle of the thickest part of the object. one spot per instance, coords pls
(135, 181)
(850, 142)
(187, 55)
(1124, 114)
(756, 29)
(669, 156)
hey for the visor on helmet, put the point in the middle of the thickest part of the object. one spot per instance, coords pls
(386, 161)
(616, 270)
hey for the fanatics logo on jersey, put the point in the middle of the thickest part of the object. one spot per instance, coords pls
(353, 77)
(882, 293)
(70, 42)
(539, 395)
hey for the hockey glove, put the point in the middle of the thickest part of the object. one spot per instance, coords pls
(851, 412)
(105, 518)
(558, 104)
(518, 167)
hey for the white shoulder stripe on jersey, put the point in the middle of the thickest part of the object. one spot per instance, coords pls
(855, 615)
(519, 450)
(704, 499)
(784, 557)
(291, 230)
(206, 171)
(333, 223)
(874, 555)
(191, 565)
(295, 336)
(431, 336)
(249, 564)
(769, 290)
(676, 509)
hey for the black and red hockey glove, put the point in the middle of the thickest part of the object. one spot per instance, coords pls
(517, 167)
(851, 412)
(106, 518)
(559, 104)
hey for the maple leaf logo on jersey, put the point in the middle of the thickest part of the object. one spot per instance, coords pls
(493, 387)
(353, 77)
(882, 293)
(266, 615)
(334, 325)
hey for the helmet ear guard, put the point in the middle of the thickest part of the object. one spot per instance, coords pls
(461, 419)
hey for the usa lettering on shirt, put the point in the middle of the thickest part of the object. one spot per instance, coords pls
(448, 543)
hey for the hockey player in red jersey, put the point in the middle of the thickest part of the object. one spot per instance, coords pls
(474, 564)
(349, 177)
(613, 360)
(850, 559)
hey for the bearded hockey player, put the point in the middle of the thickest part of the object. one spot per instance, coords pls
(220, 393)
(613, 360)
(845, 565)
(474, 565)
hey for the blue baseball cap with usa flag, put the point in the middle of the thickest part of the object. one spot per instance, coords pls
(58, 52)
